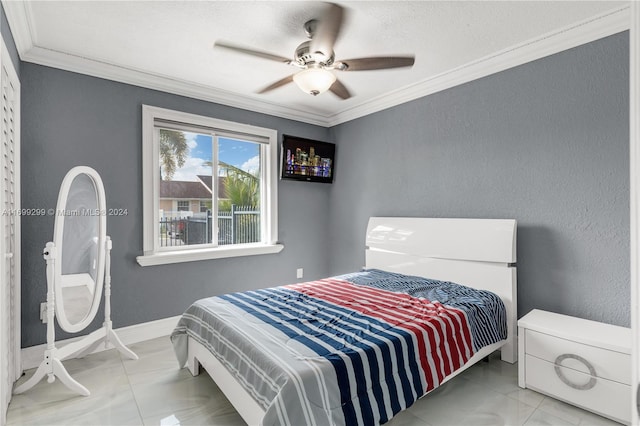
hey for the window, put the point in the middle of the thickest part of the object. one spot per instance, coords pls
(209, 188)
(183, 206)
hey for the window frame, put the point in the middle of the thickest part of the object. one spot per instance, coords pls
(152, 255)
(183, 201)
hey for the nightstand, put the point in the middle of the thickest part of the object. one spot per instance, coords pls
(581, 362)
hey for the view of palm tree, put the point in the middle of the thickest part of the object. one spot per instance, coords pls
(174, 151)
(241, 192)
(242, 188)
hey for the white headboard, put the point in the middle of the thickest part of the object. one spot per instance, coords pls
(478, 253)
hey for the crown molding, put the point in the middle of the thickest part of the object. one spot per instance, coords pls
(55, 59)
(597, 27)
(20, 20)
(603, 25)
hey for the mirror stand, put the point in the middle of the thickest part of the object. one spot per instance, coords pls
(52, 366)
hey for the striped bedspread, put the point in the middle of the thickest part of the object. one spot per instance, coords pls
(353, 349)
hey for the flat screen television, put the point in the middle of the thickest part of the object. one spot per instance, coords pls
(307, 160)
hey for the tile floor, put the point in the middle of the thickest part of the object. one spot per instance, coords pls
(153, 391)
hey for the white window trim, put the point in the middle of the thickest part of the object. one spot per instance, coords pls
(151, 188)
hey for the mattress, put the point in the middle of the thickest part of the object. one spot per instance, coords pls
(352, 349)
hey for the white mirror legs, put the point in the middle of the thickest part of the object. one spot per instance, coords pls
(52, 366)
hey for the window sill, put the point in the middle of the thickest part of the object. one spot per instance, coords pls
(167, 257)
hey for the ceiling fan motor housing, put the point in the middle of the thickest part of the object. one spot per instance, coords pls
(306, 58)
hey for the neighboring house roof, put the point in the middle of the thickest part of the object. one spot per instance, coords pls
(184, 190)
(208, 181)
(191, 190)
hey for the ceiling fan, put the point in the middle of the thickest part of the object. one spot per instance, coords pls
(316, 57)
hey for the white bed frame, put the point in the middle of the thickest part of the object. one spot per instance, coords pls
(478, 253)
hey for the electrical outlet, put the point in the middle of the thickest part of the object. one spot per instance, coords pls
(299, 273)
(43, 312)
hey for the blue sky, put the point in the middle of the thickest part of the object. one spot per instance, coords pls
(244, 155)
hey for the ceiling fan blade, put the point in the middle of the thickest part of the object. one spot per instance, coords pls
(375, 63)
(340, 90)
(252, 52)
(277, 84)
(327, 30)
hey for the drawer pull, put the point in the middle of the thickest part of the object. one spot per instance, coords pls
(592, 371)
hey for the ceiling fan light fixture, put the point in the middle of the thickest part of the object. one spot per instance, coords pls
(314, 80)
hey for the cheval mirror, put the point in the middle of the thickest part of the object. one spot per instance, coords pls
(78, 268)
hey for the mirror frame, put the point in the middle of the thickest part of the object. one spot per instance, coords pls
(58, 233)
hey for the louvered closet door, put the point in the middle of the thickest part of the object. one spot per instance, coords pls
(9, 230)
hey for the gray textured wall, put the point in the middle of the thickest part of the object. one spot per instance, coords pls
(546, 143)
(69, 119)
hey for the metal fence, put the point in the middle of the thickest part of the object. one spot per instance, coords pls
(239, 225)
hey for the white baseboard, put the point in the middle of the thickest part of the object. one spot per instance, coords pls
(32, 356)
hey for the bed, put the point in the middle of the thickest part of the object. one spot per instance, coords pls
(435, 296)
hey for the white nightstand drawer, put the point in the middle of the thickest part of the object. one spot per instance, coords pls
(607, 364)
(600, 395)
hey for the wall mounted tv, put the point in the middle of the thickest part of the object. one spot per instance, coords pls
(307, 160)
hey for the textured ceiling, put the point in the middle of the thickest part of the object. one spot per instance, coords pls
(173, 41)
